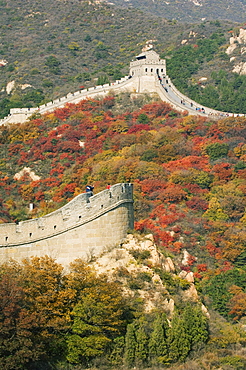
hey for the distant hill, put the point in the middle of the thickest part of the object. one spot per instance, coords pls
(191, 10)
(57, 46)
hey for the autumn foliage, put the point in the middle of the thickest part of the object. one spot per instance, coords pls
(188, 173)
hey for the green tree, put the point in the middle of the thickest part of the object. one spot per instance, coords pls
(102, 80)
(214, 211)
(130, 345)
(96, 321)
(218, 288)
(143, 118)
(53, 64)
(141, 354)
(158, 343)
(117, 351)
(196, 325)
(179, 341)
(74, 46)
(217, 150)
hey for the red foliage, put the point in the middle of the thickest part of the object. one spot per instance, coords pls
(14, 149)
(62, 113)
(143, 225)
(202, 267)
(211, 248)
(241, 174)
(57, 170)
(226, 266)
(156, 109)
(39, 195)
(197, 275)
(69, 146)
(138, 127)
(185, 268)
(222, 171)
(191, 260)
(23, 158)
(195, 189)
(149, 186)
(50, 182)
(176, 247)
(164, 238)
(199, 163)
(173, 193)
(197, 204)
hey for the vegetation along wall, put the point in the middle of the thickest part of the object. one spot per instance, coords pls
(82, 228)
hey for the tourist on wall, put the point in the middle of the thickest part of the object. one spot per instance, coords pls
(89, 189)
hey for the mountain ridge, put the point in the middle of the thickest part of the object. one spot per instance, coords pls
(190, 10)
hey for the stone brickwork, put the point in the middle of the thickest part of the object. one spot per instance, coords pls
(148, 63)
(82, 228)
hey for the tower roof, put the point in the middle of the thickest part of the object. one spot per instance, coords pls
(149, 54)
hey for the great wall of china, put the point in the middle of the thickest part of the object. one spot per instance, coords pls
(82, 228)
(87, 225)
(147, 75)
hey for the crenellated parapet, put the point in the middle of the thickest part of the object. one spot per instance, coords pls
(148, 64)
(147, 74)
(86, 223)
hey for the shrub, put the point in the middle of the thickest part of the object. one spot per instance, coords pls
(140, 255)
(216, 150)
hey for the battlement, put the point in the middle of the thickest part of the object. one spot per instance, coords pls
(141, 79)
(148, 64)
(70, 232)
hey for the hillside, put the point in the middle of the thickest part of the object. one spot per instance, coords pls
(49, 49)
(190, 10)
(189, 190)
(52, 48)
(173, 294)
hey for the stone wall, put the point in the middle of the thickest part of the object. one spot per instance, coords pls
(141, 79)
(20, 115)
(82, 228)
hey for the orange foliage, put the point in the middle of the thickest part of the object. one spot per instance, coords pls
(222, 171)
(199, 163)
(202, 267)
(237, 303)
(173, 193)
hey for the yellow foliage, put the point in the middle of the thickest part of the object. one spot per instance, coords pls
(214, 211)
(23, 132)
(228, 335)
(240, 150)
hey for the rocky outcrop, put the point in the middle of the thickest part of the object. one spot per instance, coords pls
(240, 68)
(26, 171)
(238, 48)
(138, 257)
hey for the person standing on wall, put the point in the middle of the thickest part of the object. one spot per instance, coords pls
(89, 189)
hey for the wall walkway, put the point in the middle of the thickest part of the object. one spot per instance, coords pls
(143, 84)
